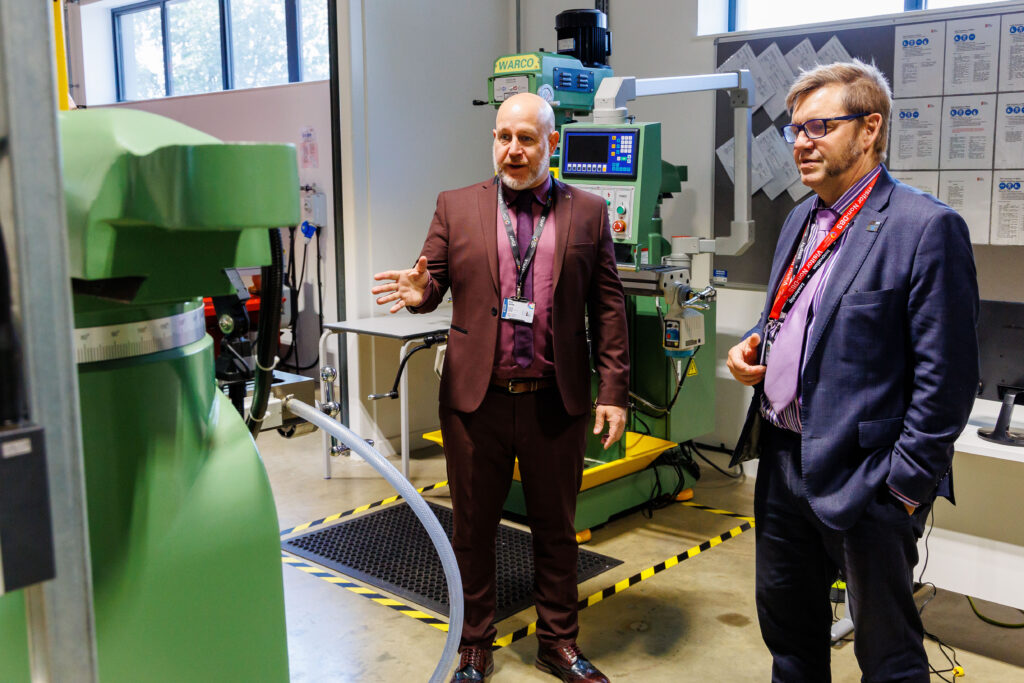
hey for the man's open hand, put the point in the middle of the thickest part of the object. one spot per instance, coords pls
(406, 288)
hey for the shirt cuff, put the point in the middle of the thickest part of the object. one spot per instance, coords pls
(903, 499)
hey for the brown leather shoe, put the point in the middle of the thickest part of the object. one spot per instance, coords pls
(569, 664)
(475, 665)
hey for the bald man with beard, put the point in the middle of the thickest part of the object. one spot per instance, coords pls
(531, 269)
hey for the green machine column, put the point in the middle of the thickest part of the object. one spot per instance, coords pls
(183, 529)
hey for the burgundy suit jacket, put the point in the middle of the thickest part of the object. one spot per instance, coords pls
(462, 254)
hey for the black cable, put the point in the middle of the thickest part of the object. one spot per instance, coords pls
(428, 341)
(13, 401)
(296, 287)
(267, 336)
(653, 409)
(731, 475)
(636, 416)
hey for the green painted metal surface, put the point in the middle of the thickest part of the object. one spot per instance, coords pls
(147, 196)
(539, 70)
(182, 523)
(185, 552)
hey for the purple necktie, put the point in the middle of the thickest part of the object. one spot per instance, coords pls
(522, 349)
(783, 373)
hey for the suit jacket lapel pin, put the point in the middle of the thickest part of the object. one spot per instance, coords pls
(873, 226)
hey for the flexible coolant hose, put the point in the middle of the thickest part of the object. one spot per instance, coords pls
(419, 507)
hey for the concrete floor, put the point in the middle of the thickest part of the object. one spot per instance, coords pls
(695, 621)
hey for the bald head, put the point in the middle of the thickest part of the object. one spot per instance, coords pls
(524, 136)
(528, 106)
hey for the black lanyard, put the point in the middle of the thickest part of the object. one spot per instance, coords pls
(523, 265)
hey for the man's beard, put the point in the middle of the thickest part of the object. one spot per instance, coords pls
(844, 163)
(534, 180)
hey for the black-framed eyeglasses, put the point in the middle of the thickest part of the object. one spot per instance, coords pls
(814, 128)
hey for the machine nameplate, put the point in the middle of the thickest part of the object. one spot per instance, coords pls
(125, 340)
(516, 63)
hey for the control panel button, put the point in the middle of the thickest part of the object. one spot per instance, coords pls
(620, 210)
(619, 226)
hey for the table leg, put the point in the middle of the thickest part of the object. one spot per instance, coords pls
(325, 438)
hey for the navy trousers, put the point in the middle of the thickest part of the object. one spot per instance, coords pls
(799, 558)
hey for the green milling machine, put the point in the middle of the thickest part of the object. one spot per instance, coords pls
(672, 372)
(183, 530)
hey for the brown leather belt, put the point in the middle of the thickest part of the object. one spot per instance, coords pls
(522, 386)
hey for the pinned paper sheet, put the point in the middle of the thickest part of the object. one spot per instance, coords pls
(918, 60)
(926, 181)
(968, 127)
(1007, 207)
(915, 133)
(744, 59)
(968, 193)
(972, 48)
(780, 77)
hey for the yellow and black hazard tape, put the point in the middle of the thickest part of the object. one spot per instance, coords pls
(597, 597)
(698, 506)
(359, 589)
(531, 628)
(362, 508)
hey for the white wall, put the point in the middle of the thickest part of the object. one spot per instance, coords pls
(276, 114)
(410, 71)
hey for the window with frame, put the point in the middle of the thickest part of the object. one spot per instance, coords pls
(185, 47)
(753, 15)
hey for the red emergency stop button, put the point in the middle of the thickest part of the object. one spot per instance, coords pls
(619, 226)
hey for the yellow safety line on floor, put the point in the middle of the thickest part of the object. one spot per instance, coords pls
(365, 592)
(597, 597)
(691, 504)
(531, 628)
(361, 508)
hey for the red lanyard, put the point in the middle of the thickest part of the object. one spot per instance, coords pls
(792, 285)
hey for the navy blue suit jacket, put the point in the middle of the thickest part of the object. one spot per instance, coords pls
(891, 366)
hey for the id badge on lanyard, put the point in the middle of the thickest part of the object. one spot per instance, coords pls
(518, 309)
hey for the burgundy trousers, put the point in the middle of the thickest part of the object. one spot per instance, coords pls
(480, 449)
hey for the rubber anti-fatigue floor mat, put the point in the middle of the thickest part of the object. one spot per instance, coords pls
(390, 549)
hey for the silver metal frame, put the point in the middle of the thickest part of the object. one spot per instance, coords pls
(610, 107)
(61, 627)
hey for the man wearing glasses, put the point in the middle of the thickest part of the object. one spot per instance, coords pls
(865, 367)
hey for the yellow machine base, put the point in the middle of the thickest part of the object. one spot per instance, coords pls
(641, 450)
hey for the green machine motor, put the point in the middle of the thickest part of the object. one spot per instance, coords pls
(183, 531)
(568, 79)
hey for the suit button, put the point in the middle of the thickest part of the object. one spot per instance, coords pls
(494, 311)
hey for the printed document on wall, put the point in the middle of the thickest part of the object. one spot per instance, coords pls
(760, 173)
(968, 192)
(1010, 130)
(917, 69)
(926, 181)
(802, 57)
(972, 48)
(914, 143)
(1007, 207)
(744, 59)
(777, 155)
(833, 51)
(1011, 53)
(780, 77)
(968, 127)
